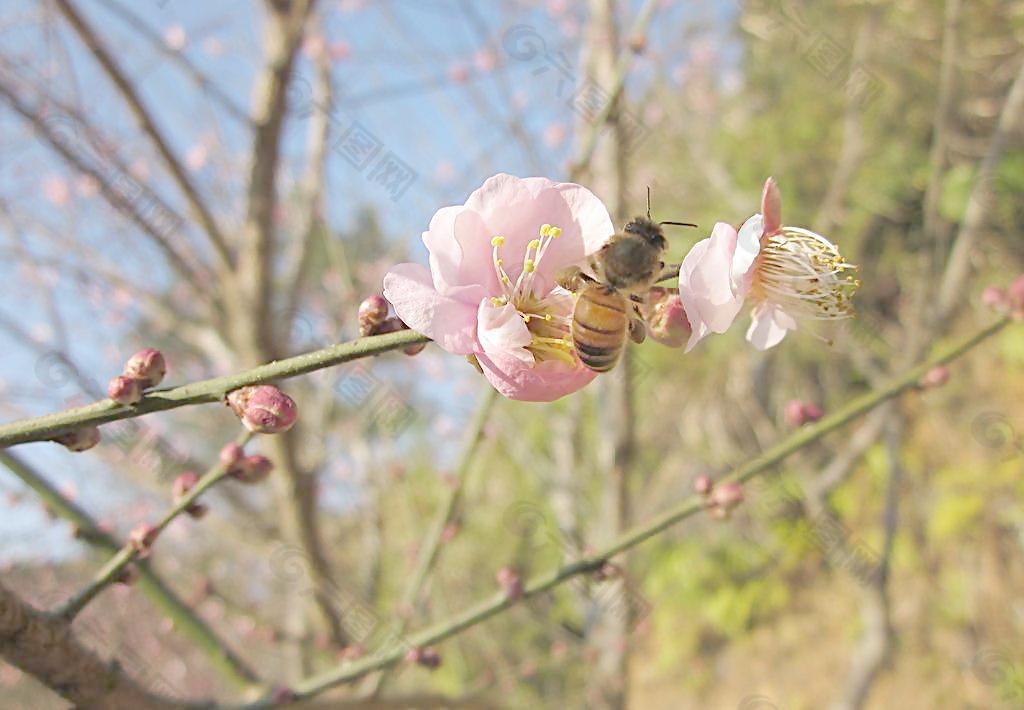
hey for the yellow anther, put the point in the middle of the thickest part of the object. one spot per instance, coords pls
(545, 229)
(496, 301)
(499, 262)
(547, 316)
(506, 280)
(497, 241)
(534, 244)
(529, 266)
(555, 232)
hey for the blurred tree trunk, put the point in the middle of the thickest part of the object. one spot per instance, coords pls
(608, 682)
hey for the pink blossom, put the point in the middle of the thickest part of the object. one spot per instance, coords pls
(787, 273)
(490, 291)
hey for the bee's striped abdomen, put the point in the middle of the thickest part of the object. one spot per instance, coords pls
(599, 323)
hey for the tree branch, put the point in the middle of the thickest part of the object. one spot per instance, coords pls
(204, 392)
(109, 573)
(42, 645)
(498, 603)
(142, 115)
(86, 529)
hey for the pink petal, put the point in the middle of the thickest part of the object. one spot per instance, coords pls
(704, 280)
(448, 320)
(769, 326)
(748, 246)
(515, 208)
(500, 329)
(771, 206)
(445, 252)
(541, 382)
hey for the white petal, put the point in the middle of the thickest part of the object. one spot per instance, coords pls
(769, 326)
(748, 246)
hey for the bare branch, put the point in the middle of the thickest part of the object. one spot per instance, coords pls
(199, 208)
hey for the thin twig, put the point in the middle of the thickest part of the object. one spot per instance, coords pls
(109, 573)
(498, 603)
(113, 70)
(203, 392)
(185, 619)
(431, 547)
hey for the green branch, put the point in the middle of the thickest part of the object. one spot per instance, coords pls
(110, 572)
(499, 602)
(205, 392)
(431, 547)
(190, 625)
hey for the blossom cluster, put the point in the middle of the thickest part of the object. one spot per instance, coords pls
(491, 291)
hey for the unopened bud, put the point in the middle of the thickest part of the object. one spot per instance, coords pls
(666, 319)
(935, 377)
(798, 413)
(427, 657)
(142, 538)
(252, 469)
(703, 484)
(182, 485)
(147, 366)
(263, 409)
(510, 581)
(724, 498)
(373, 311)
(281, 696)
(124, 390)
(231, 454)
(995, 298)
(81, 439)
(608, 570)
(127, 576)
(393, 325)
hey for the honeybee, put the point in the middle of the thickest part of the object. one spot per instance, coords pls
(625, 269)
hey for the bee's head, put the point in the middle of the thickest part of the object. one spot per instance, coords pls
(648, 230)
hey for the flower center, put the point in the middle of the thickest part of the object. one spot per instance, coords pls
(546, 316)
(805, 274)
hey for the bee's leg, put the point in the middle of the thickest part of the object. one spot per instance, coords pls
(637, 326)
(571, 278)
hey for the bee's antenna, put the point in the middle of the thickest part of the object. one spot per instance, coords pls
(648, 202)
(682, 224)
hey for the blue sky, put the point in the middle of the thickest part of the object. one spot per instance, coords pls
(432, 84)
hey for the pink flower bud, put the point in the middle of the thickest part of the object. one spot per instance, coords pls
(147, 366)
(703, 485)
(724, 498)
(183, 484)
(427, 657)
(231, 454)
(372, 312)
(252, 469)
(281, 695)
(124, 390)
(668, 323)
(128, 576)
(393, 325)
(142, 538)
(81, 439)
(995, 298)
(264, 409)
(771, 206)
(936, 377)
(798, 413)
(510, 582)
